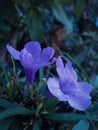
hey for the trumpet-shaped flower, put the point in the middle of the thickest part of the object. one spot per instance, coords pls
(67, 88)
(31, 58)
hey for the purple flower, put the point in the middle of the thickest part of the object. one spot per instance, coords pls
(67, 88)
(31, 58)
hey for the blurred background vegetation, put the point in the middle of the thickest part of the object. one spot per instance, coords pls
(70, 25)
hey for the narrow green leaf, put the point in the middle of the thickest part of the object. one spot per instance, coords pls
(35, 27)
(5, 123)
(39, 107)
(80, 58)
(79, 8)
(67, 117)
(6, 104)
(61, 16)
(41, 73)
(40, 84)
(36, 126)
(96, 82)
(81, 125)
(16, 111)
(5, 73)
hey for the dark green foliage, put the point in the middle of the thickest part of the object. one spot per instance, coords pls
(81, 125)
(79, 8)
(36, 126)
(34, 24)
(68, 117)
(9, 12)
(5, 123)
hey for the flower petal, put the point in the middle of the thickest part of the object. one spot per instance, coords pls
(54, 88)
(79, 102)
(30, 75)
(85, 87)
(69, 88)
(70, 72)
(13, 52)
(26, 59)
(78, 94)
(34, 49)
(47, 54)
(60, 68)
(43, 64)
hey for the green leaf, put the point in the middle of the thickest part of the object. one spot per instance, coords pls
(40, 84)
(6, 104)
(9, 12)
(79, 8)
(17, 125)
(5, 123)
(61, 16)
(96, 82)
(41, 73)
(66, 2)
(94, 109)
(81, 125)
(15, 111)
(94, 95)
(67, 117)
(50, 103)
(4, 27)
(35, 27)
(36, 126)
(80, 58)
